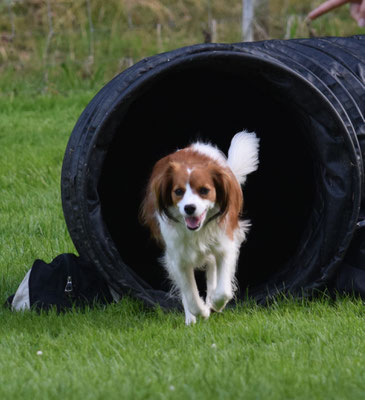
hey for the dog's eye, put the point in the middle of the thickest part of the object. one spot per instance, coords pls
(179, 192)
(203, 190)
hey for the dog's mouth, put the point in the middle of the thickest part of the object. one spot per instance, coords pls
(194, 223)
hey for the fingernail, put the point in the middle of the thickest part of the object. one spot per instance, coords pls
(361, 22)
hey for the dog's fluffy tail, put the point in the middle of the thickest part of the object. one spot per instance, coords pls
(243, 155)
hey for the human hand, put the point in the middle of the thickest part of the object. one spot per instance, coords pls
(357, 9)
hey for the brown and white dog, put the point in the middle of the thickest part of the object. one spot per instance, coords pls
(192, 207)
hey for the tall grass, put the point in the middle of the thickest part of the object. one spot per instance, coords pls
(64, 44)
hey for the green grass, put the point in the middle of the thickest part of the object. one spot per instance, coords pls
(33, 136)
(290, 350)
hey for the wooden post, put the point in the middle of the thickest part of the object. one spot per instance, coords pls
(11, 17)
(213, 30)
(247, 20)
(91, 31)
(159, 37)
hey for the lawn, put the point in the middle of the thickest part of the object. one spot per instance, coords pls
(290, 350)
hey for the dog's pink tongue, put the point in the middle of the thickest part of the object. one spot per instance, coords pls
(192, 222)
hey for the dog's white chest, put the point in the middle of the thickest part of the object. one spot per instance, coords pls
(192, 252)
(192, 249)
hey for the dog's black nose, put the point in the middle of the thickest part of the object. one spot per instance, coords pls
(190, 209)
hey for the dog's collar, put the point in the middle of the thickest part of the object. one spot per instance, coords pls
(213, 217)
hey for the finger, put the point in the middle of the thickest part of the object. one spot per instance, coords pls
(362, 9)
(360, 14)
(325, 7)
(355, 11)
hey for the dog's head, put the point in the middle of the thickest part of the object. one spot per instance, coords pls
(195, 191)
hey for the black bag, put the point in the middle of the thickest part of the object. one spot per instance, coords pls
(68, 281)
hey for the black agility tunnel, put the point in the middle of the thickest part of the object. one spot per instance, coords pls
(304, 98)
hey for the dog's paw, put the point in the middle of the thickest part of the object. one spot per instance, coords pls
(220, 300)
(205, 312)
(190, 319)
(201, 310)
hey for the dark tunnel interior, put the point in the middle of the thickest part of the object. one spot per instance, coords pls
(212, 104)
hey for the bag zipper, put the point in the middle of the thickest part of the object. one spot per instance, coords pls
(69, 286)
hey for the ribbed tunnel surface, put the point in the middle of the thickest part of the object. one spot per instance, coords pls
(304, 99)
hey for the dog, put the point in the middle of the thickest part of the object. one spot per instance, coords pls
(192, 207)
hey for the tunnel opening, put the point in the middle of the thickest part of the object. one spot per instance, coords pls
(211, 101)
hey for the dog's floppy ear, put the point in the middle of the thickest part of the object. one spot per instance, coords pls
(161, 186)
(229, 193)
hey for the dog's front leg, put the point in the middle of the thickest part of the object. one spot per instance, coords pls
(226, 267)
(211, 274)
(190, 319)
(184, 279)
(192, 302)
